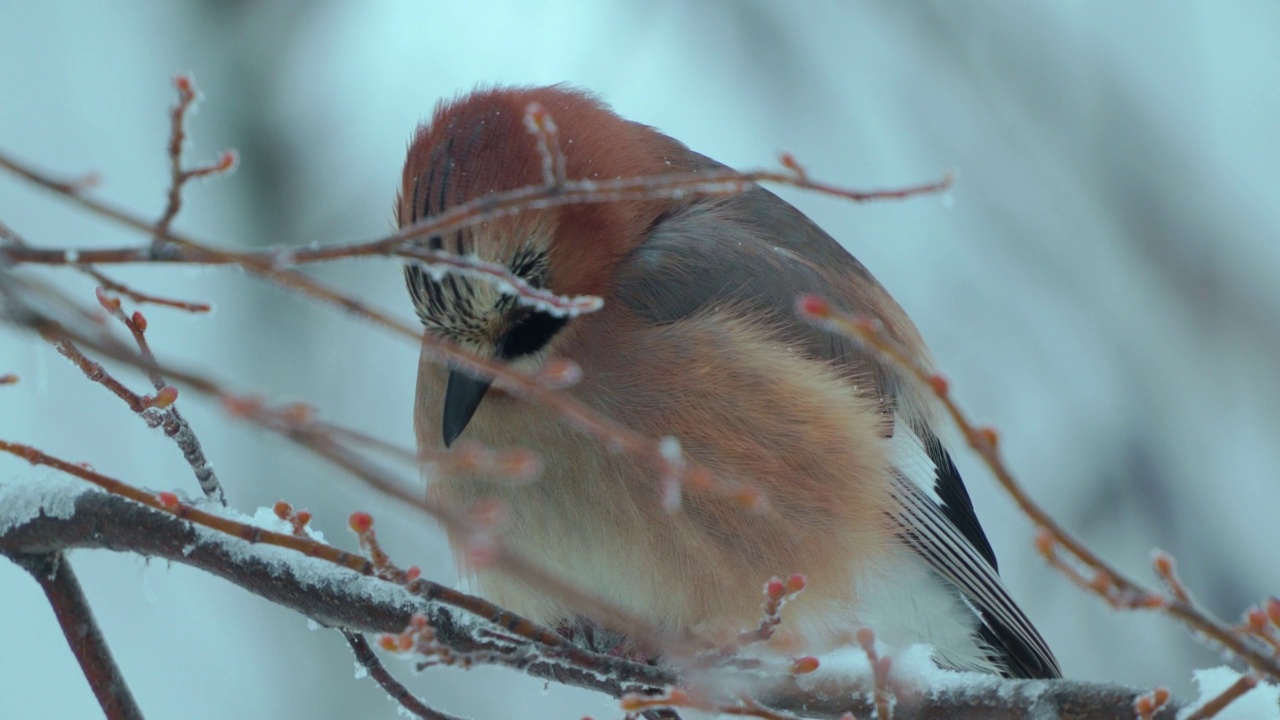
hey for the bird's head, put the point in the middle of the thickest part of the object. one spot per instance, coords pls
(481, 144)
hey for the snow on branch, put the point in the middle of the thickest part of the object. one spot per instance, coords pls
(51, 517)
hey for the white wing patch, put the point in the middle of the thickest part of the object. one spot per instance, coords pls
(908, 455)
(907, 603)
(949, 553)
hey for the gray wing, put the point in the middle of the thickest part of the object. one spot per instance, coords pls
(756, 253)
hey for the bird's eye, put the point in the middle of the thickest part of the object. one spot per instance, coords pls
(529, 335)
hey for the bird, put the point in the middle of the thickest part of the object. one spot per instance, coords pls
(697, 339)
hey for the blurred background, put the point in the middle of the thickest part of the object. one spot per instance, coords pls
(1101, 283)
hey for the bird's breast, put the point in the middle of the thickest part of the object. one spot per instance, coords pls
(750, 409)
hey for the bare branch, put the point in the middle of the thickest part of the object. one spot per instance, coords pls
(363, 595)
(70, 606)
(553, 194)
(179, 176)
(1219, 702)
(1118, 589)
(392, 687)
(170, 420)
(340, 597)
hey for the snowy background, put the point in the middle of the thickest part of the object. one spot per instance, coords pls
(1101, 284)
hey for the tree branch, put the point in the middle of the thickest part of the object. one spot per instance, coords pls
(61, 518)
(389, 684)
(70, 606)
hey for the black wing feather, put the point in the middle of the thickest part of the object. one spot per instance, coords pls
(951, 491)
(946, 533)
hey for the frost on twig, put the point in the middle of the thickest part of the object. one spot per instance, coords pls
(1082, 566)
(343, 597)
(373, 595)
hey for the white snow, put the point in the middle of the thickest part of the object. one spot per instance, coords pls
(1260, 703)
(52, 496)
(55, 496)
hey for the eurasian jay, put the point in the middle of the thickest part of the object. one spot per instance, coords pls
(697, 339)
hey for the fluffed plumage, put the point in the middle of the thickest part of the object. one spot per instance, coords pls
(698, 339)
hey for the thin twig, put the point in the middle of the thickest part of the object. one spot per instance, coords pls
(94, 371)
(11, 237)
(171, 421)
(984, 441)
(340, 599)
(1219, 702)
(487, 208)
(156, 411)
(389, 684)
(881, 693)
(140, 297)
(528, 386)
(179, 175)
(504, 557)
(84, 637)
(168, 246)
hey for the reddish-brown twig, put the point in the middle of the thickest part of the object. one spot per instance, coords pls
(1219, 702)
(179, 176)
(361, 523)
(139, 404)
(1117, 588)
(1093, 580)
(881, 693)
(170, 503)
(7, 235)
(675, 698)
(157, 411)
(777, 594)
(167, 502)
(487, 208)
(139, 297)
(84, 636)
(389, 684)
(168, 246)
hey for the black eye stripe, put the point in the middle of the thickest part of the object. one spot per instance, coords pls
(529, 335)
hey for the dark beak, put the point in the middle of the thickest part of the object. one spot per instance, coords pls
(462, 395)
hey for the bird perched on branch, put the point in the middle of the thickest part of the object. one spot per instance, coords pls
(698, 340)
